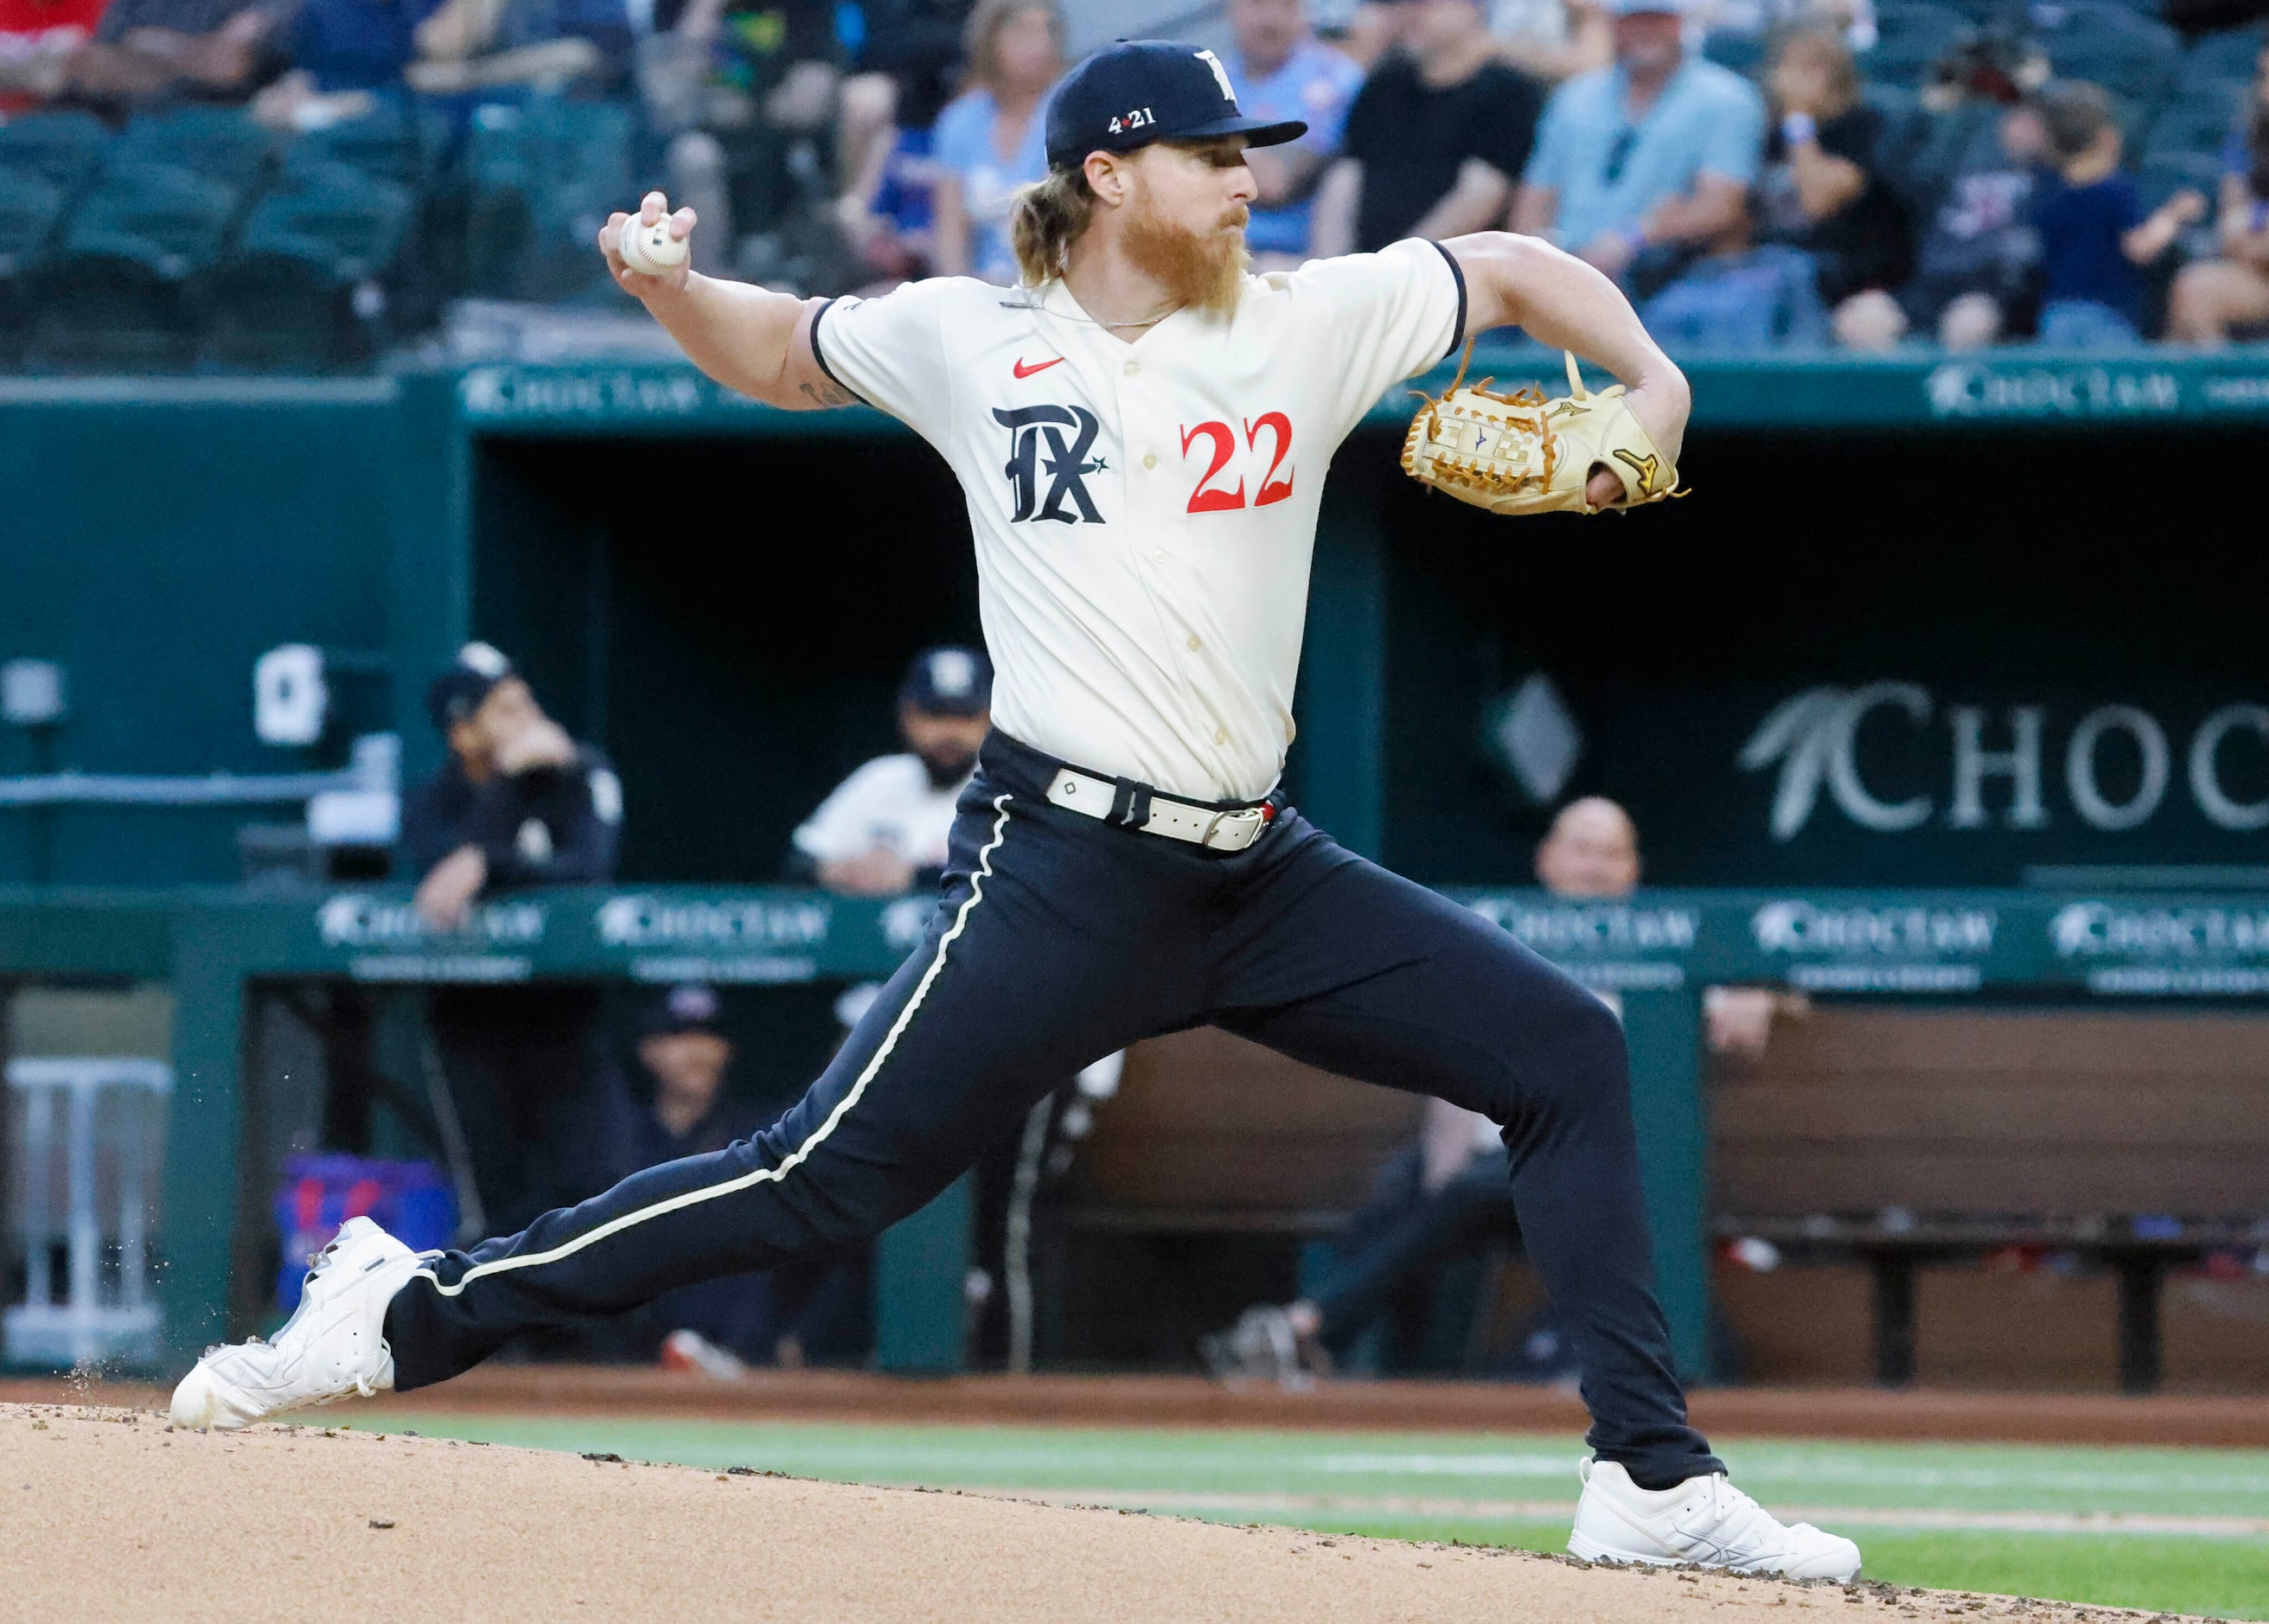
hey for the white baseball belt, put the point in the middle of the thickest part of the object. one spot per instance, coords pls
(1217, 828)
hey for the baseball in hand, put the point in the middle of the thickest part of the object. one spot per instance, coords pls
(650, 248)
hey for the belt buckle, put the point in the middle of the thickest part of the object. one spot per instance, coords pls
(1247, 818)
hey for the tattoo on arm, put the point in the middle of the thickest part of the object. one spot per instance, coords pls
(828, 393)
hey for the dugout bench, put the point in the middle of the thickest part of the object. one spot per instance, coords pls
(2128, 963)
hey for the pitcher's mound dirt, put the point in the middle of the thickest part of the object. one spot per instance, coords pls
(109, 1514)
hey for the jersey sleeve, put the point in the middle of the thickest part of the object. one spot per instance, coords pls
(1380, 318)
(890, 352)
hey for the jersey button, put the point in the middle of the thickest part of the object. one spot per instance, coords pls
(1194, 644)
(1221, 735)
(1158, 557)
(1131, 368)
(1149, 459)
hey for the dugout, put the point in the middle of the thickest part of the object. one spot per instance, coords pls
(1957, 641)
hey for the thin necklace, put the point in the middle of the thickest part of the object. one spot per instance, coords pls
(1037, 308)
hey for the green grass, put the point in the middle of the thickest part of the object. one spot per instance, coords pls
(1509, 1489)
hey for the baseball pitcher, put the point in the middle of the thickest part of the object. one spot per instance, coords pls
(1141, 430)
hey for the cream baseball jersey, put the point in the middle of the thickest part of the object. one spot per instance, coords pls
(1145, 513)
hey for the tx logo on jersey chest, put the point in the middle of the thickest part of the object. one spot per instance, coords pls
(1048, 463)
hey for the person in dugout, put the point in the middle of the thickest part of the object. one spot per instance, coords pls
(674, 1099)
(517, 804)
(882, 830)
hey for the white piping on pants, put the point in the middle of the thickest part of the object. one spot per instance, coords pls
(796, 1158)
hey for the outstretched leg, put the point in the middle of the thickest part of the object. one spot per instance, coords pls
(1336, 962)
(1013, 990)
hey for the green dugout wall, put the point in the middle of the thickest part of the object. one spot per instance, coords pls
(1655, 954)
(1923, 621)
(1952, 569)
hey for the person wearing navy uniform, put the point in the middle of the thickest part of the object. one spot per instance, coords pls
(1141, 430)
(517, 805)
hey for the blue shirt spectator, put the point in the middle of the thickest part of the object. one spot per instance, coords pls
(2082, 259)
(963, 146)
(1661, 148)
(993, 140)
(357, 44)
(1281, 70)
(1608, 170)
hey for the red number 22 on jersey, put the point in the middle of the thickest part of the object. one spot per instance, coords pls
(1222, 442)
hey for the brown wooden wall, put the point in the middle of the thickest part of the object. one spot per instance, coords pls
(2049, 1112)
(1223, 1131)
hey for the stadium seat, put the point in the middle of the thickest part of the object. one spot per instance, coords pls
(396, 141)
(65, 149)
(2132, 56)
(2162, 174)
(2198, 122)
(1728, 48)
(1909, 38)
(1942, 146)
(29, 210)
(542, 176)
(304, 288)
(2232, 54)
(1902, 118)
(220, 143)
(119, 293)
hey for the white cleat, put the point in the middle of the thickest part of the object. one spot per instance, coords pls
(1706, 1522)
(333, 1346)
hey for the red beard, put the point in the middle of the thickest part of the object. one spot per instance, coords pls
(1203, 270)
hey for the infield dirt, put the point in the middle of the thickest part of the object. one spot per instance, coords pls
(110, 1514)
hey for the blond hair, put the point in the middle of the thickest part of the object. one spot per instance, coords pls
(982, 33)
(1046, 219)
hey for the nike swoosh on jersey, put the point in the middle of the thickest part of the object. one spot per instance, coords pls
(1025, 369)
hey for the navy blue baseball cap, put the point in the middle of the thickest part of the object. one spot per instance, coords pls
(1136, 92)
(458, 691)
(949, 681)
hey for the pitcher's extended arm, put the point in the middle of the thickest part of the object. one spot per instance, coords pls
(1562, 302)
(747, 338)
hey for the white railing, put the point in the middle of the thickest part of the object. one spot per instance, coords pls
(92, 1322)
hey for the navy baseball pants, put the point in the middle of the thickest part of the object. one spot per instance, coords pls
(1059, 939)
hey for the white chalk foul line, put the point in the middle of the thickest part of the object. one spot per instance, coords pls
(1557, 1510)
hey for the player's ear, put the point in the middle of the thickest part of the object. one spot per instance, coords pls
(1108, 177)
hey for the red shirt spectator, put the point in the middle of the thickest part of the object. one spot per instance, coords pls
(37, 37)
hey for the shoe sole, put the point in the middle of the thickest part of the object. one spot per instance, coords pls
(1591, 1551)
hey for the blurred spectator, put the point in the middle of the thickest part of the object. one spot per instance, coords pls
(212, 50)
(993, 139)
(518, 804)
(910, 67)
(886, 825)
(750, 91)
(1552, 40)
(1435, 138)
(1653, 156)
(2212, 297)
(1281, 71)
(1821, 193)
(465, 45)
(343, 53)
(1975, 264)
(2095, 236)
(1739, 297)
(1452, 1178)
(38, 40)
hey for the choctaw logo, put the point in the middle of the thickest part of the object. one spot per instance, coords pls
(1048, 463)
